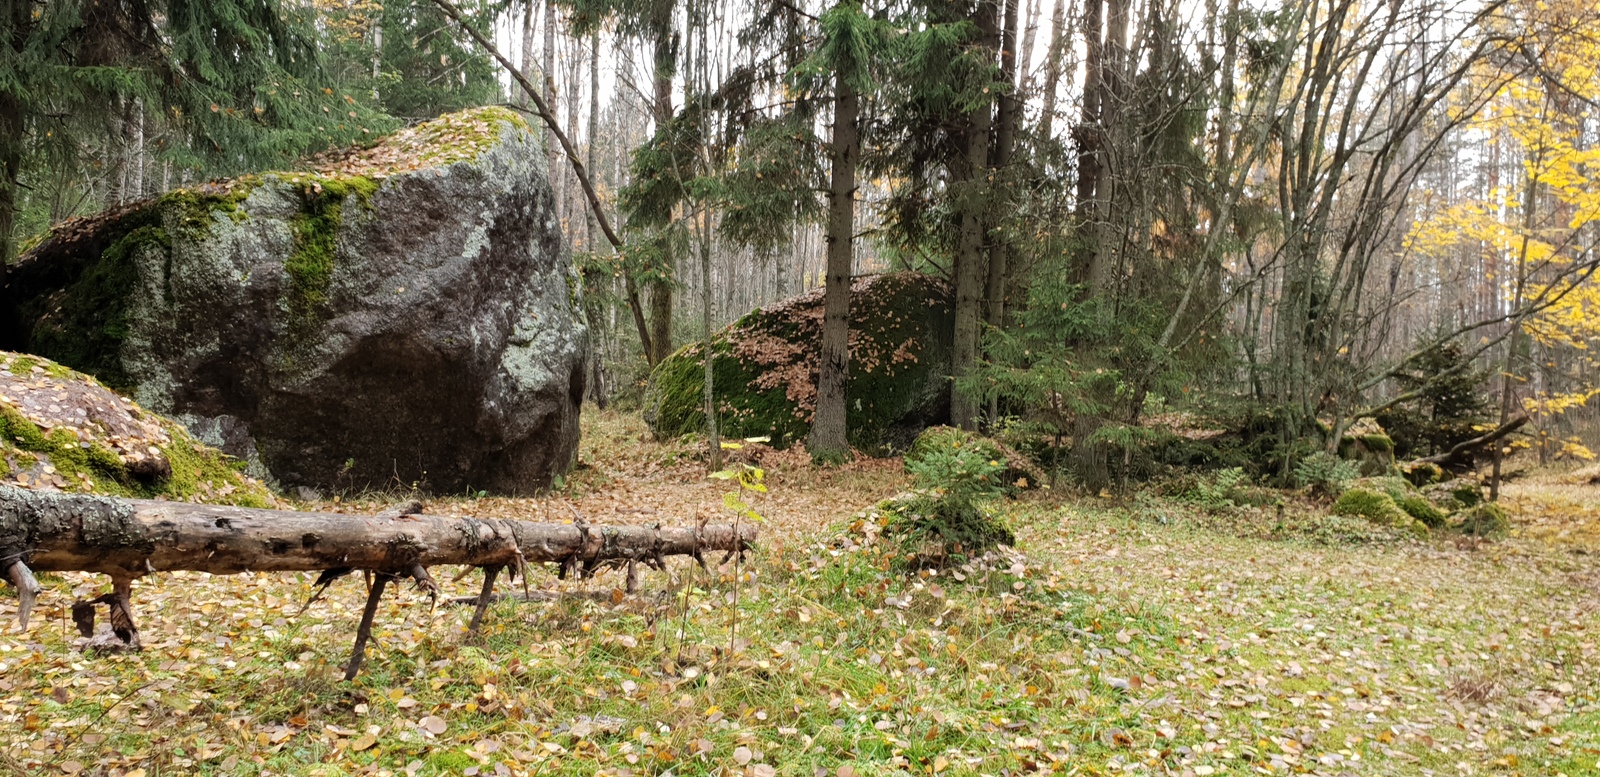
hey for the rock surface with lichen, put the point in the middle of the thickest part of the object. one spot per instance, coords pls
(62, 430)
(397, 316)
(766, 364)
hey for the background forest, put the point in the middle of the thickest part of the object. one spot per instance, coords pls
(1278, 219)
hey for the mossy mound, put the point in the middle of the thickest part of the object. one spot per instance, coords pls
(765, 365)
(1420, 508)
(1374, 506)
(62, 430)
(1483, 520)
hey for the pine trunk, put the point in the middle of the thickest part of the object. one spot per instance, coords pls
(970, 272)
(828, 426)
(1008, 116)
(18, 19)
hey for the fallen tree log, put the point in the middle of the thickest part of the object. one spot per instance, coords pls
(125, 539)
(1460, 456)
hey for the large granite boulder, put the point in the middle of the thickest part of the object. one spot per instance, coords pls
(765, 370)
(403, 315)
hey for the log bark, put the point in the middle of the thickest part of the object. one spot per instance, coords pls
(128, 538)
(1460, 455)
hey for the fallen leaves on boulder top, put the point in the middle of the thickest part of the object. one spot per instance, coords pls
(61, 430)
(451, 138)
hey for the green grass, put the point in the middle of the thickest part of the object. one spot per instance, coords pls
(1112, 639)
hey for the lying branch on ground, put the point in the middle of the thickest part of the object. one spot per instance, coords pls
(1460, 455)
(125, 539)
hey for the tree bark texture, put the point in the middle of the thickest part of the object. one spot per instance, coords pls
(129, 538)
(970, 270)
(828, 425)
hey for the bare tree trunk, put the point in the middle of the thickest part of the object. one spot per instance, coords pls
(136, 152)
(661, 290)
(1507, 387)
(594, 121)
(1053, 66)
(528, 33)
(1088, 134)
(828, 426)
(377, 52)
(1008, 116)
(1025, 55)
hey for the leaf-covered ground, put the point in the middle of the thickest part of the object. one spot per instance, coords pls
(1138, 638)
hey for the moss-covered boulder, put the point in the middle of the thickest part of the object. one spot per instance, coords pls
(1483, 520)
(1420, 508)
(64, 431)
(1372, 505)
(1370, 447)
(1423, 473)
(1379, 508)
(404, 314)
(765, 368)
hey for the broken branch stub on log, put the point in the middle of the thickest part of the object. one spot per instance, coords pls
(129, 538)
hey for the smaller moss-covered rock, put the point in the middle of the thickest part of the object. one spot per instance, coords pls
(1423, 474)
(764, 368)
(1374, 506)
(1418, 507)
(1483, 520)
(1373, 452)
(64, 431)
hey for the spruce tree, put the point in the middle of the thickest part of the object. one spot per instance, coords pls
(236, 85)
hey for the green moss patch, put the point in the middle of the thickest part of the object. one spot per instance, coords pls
(1483, 520)
(108, 450)
(1420, 508)
(451, 138)
(1374, 506)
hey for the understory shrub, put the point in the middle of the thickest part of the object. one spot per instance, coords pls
(955, 473)
(932, 529)
(1325, 474)
(961, 464)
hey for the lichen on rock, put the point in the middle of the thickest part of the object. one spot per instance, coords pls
(764, 368)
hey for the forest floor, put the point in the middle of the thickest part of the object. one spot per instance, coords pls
(1141, 635)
